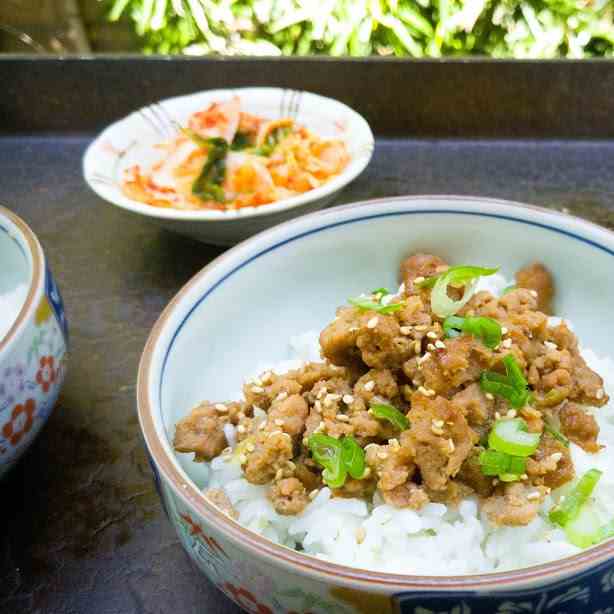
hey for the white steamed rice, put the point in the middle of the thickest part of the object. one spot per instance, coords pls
(437, 540)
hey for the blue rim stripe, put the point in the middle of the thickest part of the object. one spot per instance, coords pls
(363, 218)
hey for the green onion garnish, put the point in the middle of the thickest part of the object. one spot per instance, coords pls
(493, 462)
(549, 428)
(353, 457)
(467, 276)
(512, 386)
(338, 457)
(512, 437)
(366, 304)
(584, 530)
(327, 452)
(458, 275)
(486, 329)
(508, 289)
(390, 413)
(569, 507)
(381, 292)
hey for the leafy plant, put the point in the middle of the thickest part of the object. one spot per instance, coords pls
(414, 28)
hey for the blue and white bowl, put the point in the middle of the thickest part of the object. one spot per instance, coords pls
(241, 310)
(33, 340)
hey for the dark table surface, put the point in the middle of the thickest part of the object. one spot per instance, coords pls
(82, 530)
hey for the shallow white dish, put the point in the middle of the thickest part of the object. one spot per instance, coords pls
(130, 140)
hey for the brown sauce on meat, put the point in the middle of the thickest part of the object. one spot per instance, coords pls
(403, 359)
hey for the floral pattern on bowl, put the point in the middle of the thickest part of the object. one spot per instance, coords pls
(33, 363)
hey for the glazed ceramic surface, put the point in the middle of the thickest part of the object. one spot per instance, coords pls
(33, 352)
(240, 312)
(130, 141)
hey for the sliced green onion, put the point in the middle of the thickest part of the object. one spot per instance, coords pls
(508, 289)
(366, 304)
(512, 437)
(569, 507)
(510, 477)
(353, 457)
(390, 413)
(486, 329)
(493, 462)
(458, 275)
(328, 452)
(513, 386)
(441, 304)
(584, 530)
(549, 428)
(382, 291)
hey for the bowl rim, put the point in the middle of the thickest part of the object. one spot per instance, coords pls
(303, 564)
(355, 167)
(32, 244)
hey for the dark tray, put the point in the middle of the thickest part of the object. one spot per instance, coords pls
(82, 531)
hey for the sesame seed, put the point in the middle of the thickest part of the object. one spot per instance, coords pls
(394, 444)
(353, 329)
(266, 377)
(322, 392)
(241, 428)
(417, 346)
(348, 399)
(257, 389)
(524, 476)
(262, 426)
(419, 279)
(221, 407)
(495, 482)
(549, 345)
(279, 474)
(281, 396)
(497, 416)
(421, 328)
(227, 451)
(371, 445)
(432, 334)
(313, 494)
(507, 343)
(318, 406)
(438, 423)
(437, 431)
(279, 422)
(489, 396)
(290, 465)
(440, 344)
(369, 385)
(533, 293)
(367, 473)
(257, 381)
(600, 393)
(250, 447)
(556, 457)
(242, 459)
(274, 433)
(451, 445)
(305, 441)
(430, 347)
(343, 418)
(423, 358)
(372, 323)
(422, 390)
(405, 330)
(511, 413)
(382, 455)
(533, 495)
(360, 533)
(504, 330)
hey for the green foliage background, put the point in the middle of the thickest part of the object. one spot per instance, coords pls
(411, 28)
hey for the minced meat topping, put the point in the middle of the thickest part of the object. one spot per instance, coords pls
(410, 406)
